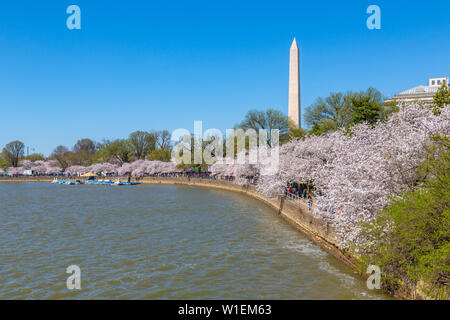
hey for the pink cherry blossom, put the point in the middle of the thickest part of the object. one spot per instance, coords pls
(355, 174)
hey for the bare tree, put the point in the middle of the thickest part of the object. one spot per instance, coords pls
(13, 151)
(85, 145)
(60, 154)
(163, 141)
(84, 152)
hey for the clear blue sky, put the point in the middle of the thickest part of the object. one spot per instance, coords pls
(142, 65)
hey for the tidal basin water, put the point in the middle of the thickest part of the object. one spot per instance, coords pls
(158, 242)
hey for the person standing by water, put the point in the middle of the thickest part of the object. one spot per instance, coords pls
(294, 191)
(129, 178)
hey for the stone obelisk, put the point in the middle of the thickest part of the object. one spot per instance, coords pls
(294, 84)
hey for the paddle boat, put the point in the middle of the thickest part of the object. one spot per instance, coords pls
(96, 182)
(119, 183)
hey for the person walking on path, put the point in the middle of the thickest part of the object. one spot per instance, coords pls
(310, 202)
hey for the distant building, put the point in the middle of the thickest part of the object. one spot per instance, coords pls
(421, 93)
(28, 172)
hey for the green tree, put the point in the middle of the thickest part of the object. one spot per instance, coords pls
(336, 110)
(141, 143)
(296, 133)
(441, 98)
(13, 151)
(3, 163)
(323, 126)
(160, 155)
(35, 157)
(332, 112)
(116, 151)
(364, 109)
(269, 120)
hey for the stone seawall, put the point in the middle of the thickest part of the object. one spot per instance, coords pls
(27, 179)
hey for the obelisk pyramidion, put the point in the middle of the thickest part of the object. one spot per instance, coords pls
(294, 84)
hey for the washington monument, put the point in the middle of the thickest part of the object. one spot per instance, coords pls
(294, 84)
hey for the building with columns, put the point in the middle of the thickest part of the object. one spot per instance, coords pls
(421, 93)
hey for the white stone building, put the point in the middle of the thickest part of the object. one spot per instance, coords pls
(421, 93)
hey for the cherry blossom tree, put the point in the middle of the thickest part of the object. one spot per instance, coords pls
(241, 167)
(12, 171)
(41, 167)
(106, 168)
(355, 173)
(76, 170)
(140, 168)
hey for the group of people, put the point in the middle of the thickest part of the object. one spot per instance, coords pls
(299, 192)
